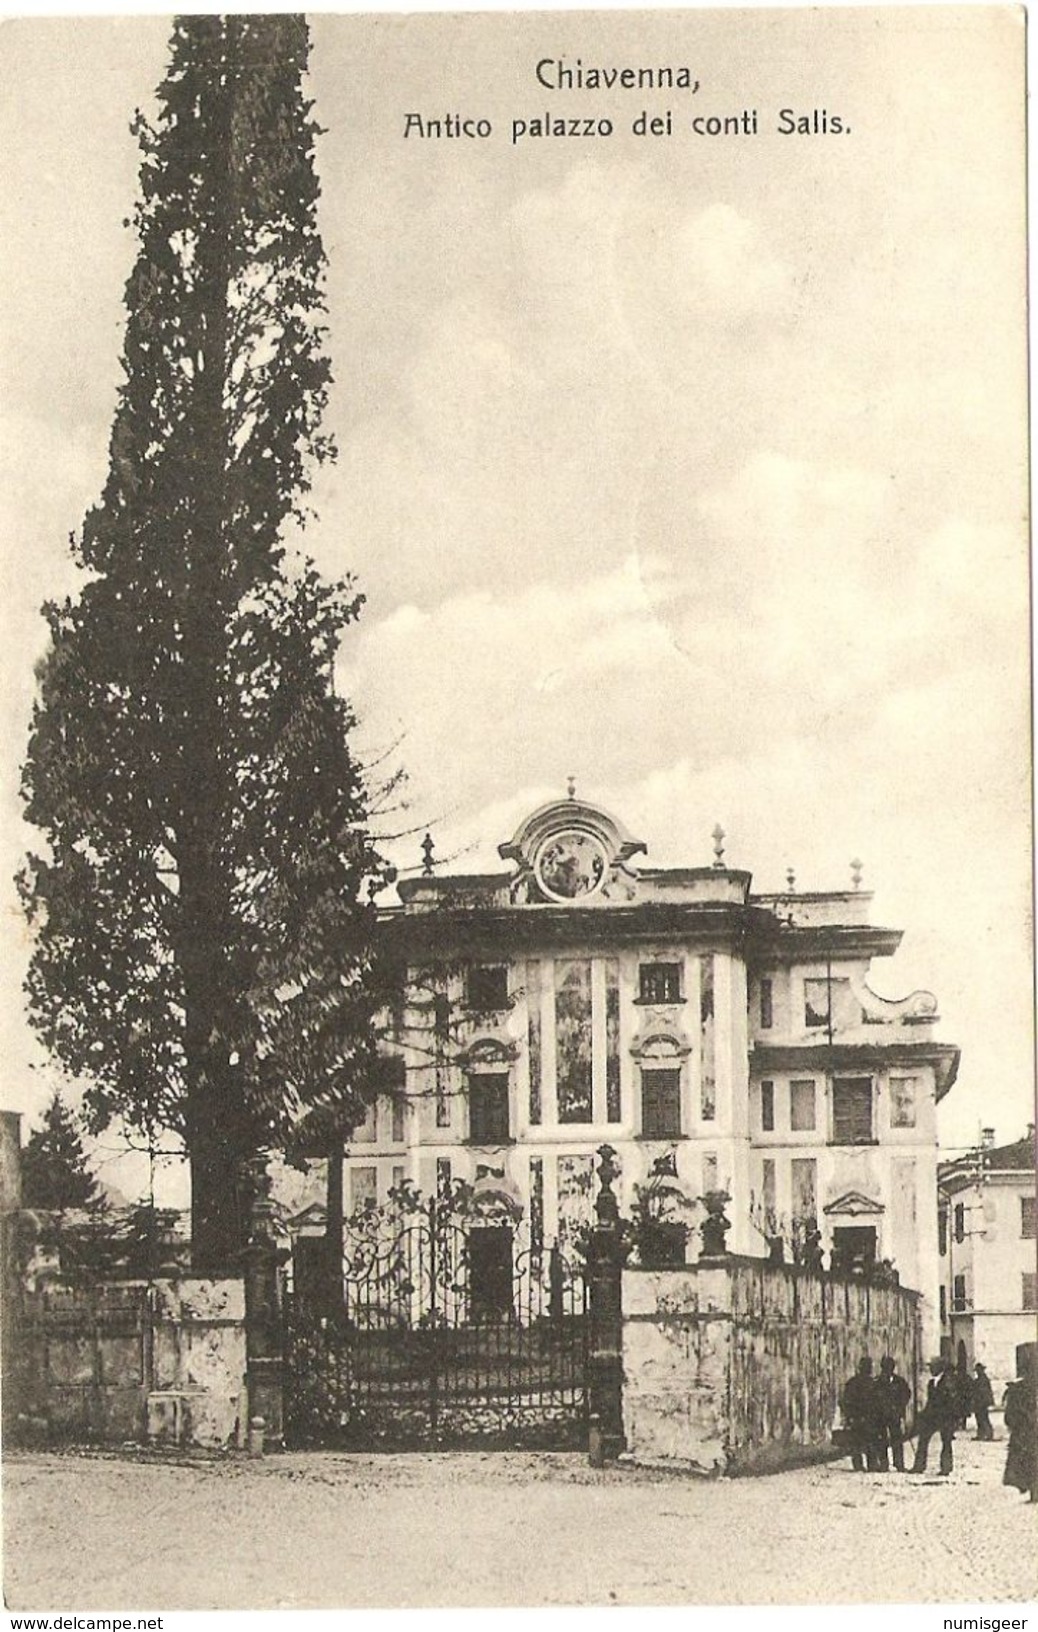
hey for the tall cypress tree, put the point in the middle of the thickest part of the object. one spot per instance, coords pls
(55, 1173)
(203, 907)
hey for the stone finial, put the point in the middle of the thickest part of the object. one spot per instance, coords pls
(718, 837)
(791, 881)
(427, 856)
(856, 872)
(606, 1207)
(571, 787)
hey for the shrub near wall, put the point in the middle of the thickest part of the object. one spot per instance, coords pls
(737, 1366)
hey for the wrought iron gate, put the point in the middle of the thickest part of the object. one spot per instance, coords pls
(450, 1333)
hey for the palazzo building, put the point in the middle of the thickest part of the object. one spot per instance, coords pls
(580, 996)
(989, 1254)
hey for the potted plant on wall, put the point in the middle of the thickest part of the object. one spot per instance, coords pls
(660, 1225)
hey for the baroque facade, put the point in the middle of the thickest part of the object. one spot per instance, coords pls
(730, 1040)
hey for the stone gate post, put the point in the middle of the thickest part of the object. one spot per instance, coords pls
(606, 1254)
(264, 1345)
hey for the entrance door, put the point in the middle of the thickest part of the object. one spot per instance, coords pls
(490, 1272)
(854, 1248)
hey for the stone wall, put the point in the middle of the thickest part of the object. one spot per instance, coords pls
(737, 1365)
(159, 1362)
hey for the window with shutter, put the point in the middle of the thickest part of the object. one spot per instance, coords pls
(488, 1107)
(661, 1104)
(852, 1111)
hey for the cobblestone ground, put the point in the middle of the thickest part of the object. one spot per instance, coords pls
(94, 1532)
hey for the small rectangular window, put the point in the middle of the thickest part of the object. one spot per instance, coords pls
(767, 1107)
(943, 1291)
(661, 1104)
(398, 1121)
(659, 983)
(1027, 1217)
(398, 1178)
(486, 988)
(766, 1013)
(959, 1294)
(1030, 1289)
(802, 1105)
(960, 1221)
(852, 1111)
(942, 1231)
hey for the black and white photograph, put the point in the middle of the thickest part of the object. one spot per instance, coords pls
(518, 953)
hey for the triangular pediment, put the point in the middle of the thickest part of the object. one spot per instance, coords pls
(854, 1204)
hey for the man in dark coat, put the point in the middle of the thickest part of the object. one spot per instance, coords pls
(891, 1394)
(983, 1400)
(859, 1415)
(940, 1415)
(1021, 1410)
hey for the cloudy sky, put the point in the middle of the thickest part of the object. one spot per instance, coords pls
(692, 467)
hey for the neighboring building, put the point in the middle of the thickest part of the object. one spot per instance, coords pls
(580, 998)
(989, 1254)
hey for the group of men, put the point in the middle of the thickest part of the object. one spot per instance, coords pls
(874, 1414)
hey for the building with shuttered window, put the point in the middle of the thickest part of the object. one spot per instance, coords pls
(988, 1244)
(581, 996)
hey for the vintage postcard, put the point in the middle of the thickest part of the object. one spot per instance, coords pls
(517, 848)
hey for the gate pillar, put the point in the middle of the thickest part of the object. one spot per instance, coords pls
(605, 1256)
(264, 1345)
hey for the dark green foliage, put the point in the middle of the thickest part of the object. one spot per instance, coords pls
(202, 911)
(55, 1174)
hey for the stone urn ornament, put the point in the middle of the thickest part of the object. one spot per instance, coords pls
(715, 1226)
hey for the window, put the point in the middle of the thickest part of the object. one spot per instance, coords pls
(487, 987)
(902, 1102)
(1030, 1289)
(767, 1107)
(943, 1298)
(942, 1231)
(363, 1188)
(367, 1133)
(398, 1121)
(802, 1105)
(960, 1221)
(816, 1002)
(766, 1012)
(659, 983)
(959, 1294)
(488, 1107)
(852, 1111)
(1027, 1217)
(661, 1103)
(398, 1178)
